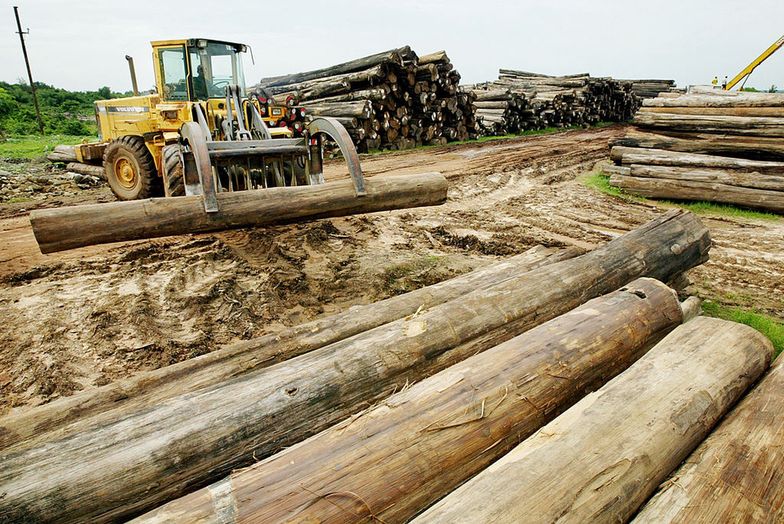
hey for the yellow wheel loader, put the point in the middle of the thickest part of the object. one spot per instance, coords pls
(200, 134)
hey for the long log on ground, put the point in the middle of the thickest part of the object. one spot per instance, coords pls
(729, 177)
(601, 459)
(86, 169)
(738, 125)
(419, 445)
(70, 227)
(715, 100)
(737, 474)
(720, 111)
(62, 153)
(727, 145)
(149, 457)
(660, 157)
(673, 189)
(59, 418)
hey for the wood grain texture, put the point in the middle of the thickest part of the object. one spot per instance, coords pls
(601, 459)
(719, 99)
(69, 227)
(760, 148)
(739, 125)
(737, 473)
(417, 446)
(719, 111)
(660, 157)
(145, 458)
(731, 177)
(86, 409)
(674, 189)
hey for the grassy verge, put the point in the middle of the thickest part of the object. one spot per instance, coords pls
(601, 182)
(710, 208)
(768, 326)
(29, 147)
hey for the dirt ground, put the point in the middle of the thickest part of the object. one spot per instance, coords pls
(86, 317)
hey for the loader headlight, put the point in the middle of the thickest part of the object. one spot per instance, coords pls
(169, 114)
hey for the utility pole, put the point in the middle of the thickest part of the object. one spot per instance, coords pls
(29, 73)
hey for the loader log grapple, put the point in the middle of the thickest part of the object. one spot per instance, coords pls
(199, 134)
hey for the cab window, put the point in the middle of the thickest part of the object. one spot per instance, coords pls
(173, 73)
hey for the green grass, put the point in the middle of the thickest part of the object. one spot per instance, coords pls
(710, 208)
(30, 147)
(767, 325)
(601, 182)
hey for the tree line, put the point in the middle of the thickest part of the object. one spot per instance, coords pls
(63, 112)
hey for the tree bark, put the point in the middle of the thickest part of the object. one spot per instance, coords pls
(419, 445)
(660, 157)
(701, 191)
(725, 99)
(601, 459)
(759, 148)
(729, 177)
(737, 474)
(70, 227)
(148, 457)
(81, 411)
(774, 111)
(738, 125)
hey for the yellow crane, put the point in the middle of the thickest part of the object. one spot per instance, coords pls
(744, 75)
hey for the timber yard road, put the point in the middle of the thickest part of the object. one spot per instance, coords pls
(83, 318)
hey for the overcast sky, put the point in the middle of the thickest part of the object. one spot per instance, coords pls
(81, 44)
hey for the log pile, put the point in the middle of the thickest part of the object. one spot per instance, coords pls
(417, 446)
(711, 146)
(746, 448)
(601, 459)
(120, 462)
(650, 88)
(523, 101)
(390, 100)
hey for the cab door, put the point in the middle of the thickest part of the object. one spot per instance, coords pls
(172, 73)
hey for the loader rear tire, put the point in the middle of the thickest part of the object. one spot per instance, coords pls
(130, 169)
(172, 167)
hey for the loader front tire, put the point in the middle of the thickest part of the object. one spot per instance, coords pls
(130, 169)
(172, 167)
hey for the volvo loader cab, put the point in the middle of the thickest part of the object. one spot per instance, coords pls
(200, 134)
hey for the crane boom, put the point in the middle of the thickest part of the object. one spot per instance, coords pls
(743, 75)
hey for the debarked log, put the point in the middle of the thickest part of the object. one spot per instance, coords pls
(90, 408)
(70, 227)
(737, 473)
(417, 446)
(674, 189)
(601, 459)
(145, 458)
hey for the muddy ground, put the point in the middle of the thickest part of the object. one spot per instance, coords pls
(86, 317)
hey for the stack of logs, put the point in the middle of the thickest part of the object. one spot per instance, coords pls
(390, 100)
(650, 88)
(713, 146)
(486, 373)
(520, 101)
